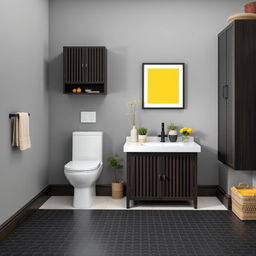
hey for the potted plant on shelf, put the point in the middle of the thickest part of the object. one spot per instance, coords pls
(173, 134)
(142, 134)
(117, 184)
(185, 133)
(132, 105)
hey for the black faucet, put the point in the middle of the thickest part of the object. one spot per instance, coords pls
(162, 135)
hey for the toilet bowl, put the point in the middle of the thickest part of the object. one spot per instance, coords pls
(85, 168)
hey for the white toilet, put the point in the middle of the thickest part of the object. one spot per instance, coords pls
(86, 166)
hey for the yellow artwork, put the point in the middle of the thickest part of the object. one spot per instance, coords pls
(163, 85)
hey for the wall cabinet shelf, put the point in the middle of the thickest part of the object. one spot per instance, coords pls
(85, 68)
(237, 95)
(161, 176)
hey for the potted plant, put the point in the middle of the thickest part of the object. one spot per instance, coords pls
(132, 105)
(185, 133)
(142, 134)
(173, 134)
(117, 184)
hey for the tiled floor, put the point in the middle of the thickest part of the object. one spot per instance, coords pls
(105, 202)
(118, 232)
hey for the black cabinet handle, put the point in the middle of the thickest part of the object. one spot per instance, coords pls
(225, 91)
(162, 177)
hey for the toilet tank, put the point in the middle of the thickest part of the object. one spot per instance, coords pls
(87, 146)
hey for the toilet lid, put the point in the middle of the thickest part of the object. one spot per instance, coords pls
(82, 165)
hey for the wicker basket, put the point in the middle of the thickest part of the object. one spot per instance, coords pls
(244, 206)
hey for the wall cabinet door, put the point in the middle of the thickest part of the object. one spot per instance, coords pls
(95, 64)
(84, 64)
(74, 65)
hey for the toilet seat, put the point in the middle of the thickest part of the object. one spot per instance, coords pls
(82, 166)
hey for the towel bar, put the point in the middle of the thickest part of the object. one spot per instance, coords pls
(14, 115)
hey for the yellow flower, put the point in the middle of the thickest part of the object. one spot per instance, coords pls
(189, 130)
(181, 130)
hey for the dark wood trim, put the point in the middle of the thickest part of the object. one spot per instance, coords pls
(105, 190)
(224, 197)
(206, 190)
(61, 190)
(68, 190)
(9, 225)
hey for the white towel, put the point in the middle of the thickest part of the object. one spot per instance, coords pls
(24, 137)
(21, 137)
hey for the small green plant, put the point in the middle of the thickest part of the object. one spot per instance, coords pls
(114, 162)
(172, 126)
(142, 131)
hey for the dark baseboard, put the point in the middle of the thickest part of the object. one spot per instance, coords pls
(206, 190)
(105, 190)
(61, 190)
(68, 190)
(9, 225)
(224, 197)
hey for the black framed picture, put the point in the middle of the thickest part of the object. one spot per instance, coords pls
(163, 85)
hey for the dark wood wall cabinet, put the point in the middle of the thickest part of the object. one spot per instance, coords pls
(161, 176)
(237, 95)
(85, 68)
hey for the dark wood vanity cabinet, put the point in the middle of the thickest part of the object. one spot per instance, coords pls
(237, 95)
(161, 176)
(86, 68)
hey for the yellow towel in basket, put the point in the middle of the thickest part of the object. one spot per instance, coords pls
(246, 191)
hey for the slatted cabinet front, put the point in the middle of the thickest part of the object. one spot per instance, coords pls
(85, 68)
(162, 176)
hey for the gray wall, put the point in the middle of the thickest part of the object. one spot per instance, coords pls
(254, 179)
(24, 52)
(229, 177)
(135, 32)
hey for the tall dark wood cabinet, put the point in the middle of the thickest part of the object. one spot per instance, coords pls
(85, 68)
(237, 95)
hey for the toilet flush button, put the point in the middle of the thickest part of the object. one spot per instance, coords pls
(88, 117)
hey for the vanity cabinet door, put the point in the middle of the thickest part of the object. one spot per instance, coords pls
(143, 176)
(178, 175)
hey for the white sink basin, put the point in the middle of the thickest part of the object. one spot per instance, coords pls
(153, 145)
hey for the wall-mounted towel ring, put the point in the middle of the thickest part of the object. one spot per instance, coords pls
(14, 115)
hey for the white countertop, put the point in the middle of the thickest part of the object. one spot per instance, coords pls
(153, 144)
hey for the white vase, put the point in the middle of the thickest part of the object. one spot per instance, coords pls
(134, 134)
